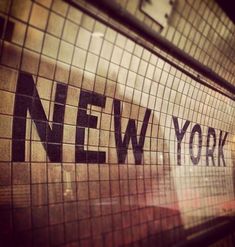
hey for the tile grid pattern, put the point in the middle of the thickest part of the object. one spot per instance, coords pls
(148, 45)
(201, 29)
(100, 204)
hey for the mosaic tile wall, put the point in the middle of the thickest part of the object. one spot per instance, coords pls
(103, 143)
(198, 27)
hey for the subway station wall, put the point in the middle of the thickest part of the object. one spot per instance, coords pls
(103, 143)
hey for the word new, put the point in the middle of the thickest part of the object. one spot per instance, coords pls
(27, 99)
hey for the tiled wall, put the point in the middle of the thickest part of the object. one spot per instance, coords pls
(99, 138)
(199, 28)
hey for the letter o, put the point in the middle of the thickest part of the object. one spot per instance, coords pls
(196, 129)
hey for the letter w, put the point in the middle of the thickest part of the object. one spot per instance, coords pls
(131, 133)
(27, 98)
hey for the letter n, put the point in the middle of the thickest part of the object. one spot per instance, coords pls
(27, 99)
